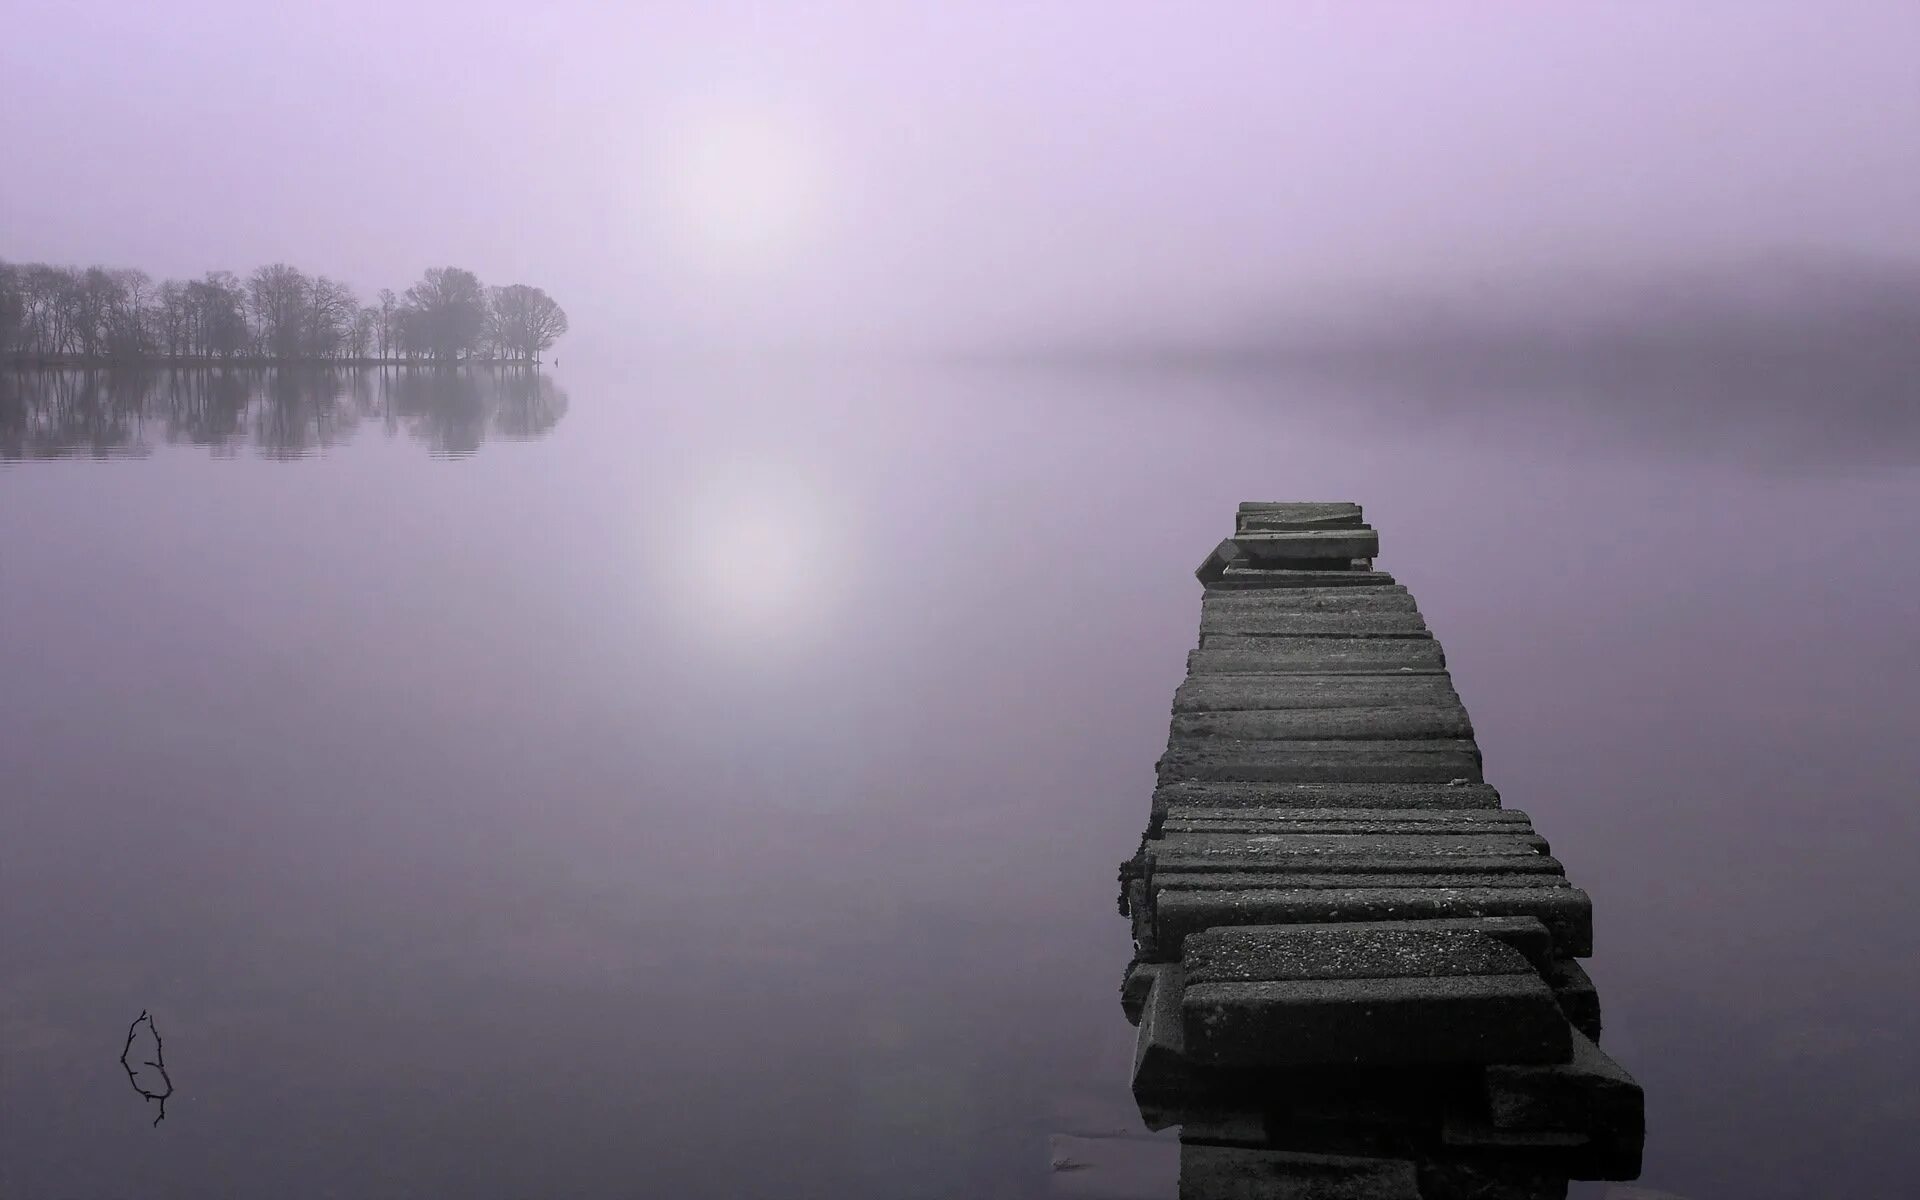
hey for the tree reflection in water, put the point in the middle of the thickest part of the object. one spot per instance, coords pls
(278, 413)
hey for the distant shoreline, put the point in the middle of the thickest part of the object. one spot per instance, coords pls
(106, 362)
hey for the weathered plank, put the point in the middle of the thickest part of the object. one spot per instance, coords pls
(1214, 795)
(1250, 693)
(1241, 578)
(1317, 656)
(1340, 724)
(1310, 599)
(1186, 904)
(1298, 623)
(1310, 996)
(1411, 760)
(1308, 545)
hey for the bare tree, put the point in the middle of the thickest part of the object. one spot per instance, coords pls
(13, 307)
(330, 312)
(525, 320)
(172, 317)
(450, 309)
(366, 325)
(278, 295)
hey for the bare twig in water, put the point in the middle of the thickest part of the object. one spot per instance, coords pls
(157, 1064)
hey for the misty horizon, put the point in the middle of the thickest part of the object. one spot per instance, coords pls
(698, 769)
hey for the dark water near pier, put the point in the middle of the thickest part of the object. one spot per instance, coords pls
(718, 791)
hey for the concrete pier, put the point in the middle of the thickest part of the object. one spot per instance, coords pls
(1354, 968)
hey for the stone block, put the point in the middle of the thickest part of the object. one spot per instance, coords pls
(1427, 760)
(1290, 623)
(1354, 853)
(1275, 517)
(1229, 655)
(1248, 692)
(1406, 821)
(1366, 724)
(1161, 1069)
(1590, 1094)
(1243, 578)
(1219, 795)
(1308, 996)
(1388, 598)
(1236, 1173)
(1308, 545)
(1214, 566)
(1188, 903)
(1579, 999)
(1134, 989)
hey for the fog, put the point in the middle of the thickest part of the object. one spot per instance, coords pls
(723, 178)
(712, 782)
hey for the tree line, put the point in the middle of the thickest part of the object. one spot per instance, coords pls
(276, 314)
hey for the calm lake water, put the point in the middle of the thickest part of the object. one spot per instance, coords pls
(647, 783)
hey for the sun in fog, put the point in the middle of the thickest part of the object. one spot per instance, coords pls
(743, 184)
(763, 557)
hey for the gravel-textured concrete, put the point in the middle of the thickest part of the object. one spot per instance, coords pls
(1186, 904)
(1250, 692)
(1311, 623)
(1235, 578)
(1216, 795)
(1229, 655)
(1308, 545)
(1358, 853)
(1235, 1173)
(1414, 1019)
(1410, 760)
(1350, 950)
(1394, 598)
(1589, 1094)
(1578, 998)
(1371, 724)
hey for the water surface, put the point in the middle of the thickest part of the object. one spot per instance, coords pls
(718, 792)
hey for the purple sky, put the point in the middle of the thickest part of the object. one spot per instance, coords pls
(925, 173)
